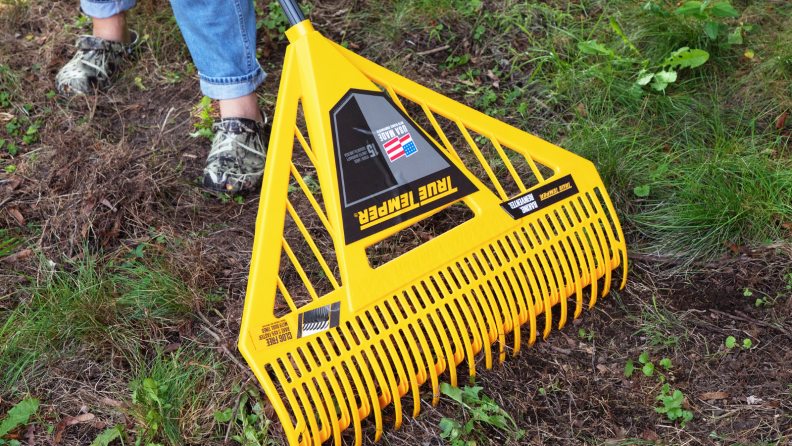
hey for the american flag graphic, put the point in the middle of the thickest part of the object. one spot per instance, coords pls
(400, 146)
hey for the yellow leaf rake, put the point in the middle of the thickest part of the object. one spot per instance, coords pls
(381, 333)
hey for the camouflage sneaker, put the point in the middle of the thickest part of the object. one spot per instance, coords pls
(239, 149)
(96, 61)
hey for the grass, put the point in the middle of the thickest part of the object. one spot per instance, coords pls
(120, 313)
(93, 306)
(707, 146)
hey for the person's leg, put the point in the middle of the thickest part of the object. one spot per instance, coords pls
(109, 18)
(242, 107)
(221, 36)
(99, 56)
(113, 28)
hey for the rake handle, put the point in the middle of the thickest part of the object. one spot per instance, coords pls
(292, 11)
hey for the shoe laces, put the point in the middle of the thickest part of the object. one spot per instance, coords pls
(228, 143)
(87, 53)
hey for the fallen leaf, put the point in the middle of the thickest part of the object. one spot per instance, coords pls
(781, 121)
(84, 231)
(97, 424)
(89, 205)
(59, 432)
(582, 110)
(41, 40)
(80, 419)
(66, 167)
(21, 255)
(269, 410)
(117, 223)
(11, 437)
(649, 435)
(602, 368)
(105, 202)
(171, 347)
(787, 226)
(354, 46)
(714, 396)
(13, 184)
(732, 246)
(55, 62)
(111, 402)
(17, 216)
(30, 436)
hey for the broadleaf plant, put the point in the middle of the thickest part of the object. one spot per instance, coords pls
(482, 410)
(658, 75)
(18, 415)
(672, 405)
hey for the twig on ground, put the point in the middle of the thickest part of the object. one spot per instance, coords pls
(743, 317)
(441, 48)
(563, 351)
(220, 343)
(236, 407)
(710, 328)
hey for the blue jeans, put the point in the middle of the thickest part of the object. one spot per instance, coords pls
(221, 36)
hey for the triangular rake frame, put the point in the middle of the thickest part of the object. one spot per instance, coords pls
(425, 312)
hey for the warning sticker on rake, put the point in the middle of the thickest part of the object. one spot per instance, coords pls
(272, 334)
(389, 170)
(541, 197)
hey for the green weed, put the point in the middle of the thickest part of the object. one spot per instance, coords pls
(18, 415)
(660, 73)
(731, 341)
(254, 426)
(275, 21)
(9, 242)
(708, 14)
(482, 410)
(107, 437)
(168, 396)
(672, 405)
(203, 111)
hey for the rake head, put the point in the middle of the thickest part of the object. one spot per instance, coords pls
(374, 335)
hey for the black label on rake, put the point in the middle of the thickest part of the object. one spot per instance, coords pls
(541, 197)
(389, 170)
(318, 320)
